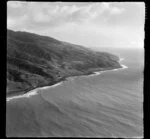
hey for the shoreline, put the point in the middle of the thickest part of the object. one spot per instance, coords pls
(100, 72)
(35, 90)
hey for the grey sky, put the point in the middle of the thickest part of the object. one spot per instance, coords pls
(115, 24)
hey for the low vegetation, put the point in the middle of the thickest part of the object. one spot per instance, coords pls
(34, 61)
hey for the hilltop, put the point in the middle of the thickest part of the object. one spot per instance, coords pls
(34, 60)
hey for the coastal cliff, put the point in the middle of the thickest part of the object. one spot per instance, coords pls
(34, 61)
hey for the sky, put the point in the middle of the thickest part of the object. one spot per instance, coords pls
(91, 24)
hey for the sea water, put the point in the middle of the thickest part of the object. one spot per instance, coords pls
(109, 104)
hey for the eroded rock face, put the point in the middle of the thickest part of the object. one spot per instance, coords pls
(34, 60)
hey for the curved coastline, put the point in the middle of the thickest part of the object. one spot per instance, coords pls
(34, 92)
(99, 72)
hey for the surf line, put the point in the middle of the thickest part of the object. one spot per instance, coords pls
(100, 72)
(34, 92)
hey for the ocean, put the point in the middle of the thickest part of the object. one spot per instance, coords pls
(109, 104)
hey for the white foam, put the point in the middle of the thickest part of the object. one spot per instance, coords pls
(124, 66)
(33, 92)
(29, 94)
(47, 87)
(99, 72)
(115, 69)
(96, 73)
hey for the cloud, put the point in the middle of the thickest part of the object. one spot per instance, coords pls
(17, 22)
(15, 4)
(42, 15)
(10, 23)
(116, 10)
(104, 23)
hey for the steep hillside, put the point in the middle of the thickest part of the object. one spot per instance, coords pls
(34, 61)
